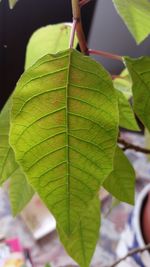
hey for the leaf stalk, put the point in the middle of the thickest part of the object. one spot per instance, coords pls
(105, 54)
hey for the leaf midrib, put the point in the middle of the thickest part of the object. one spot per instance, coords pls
(67, 139)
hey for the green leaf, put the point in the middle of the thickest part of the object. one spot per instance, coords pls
(49, 39)
(7, 158)
(81, 244)
(64, 130)
(136, 15)
(12, 3)
(139, 70)
(123, 83)
(126, 115)
(20, 192)
(121, 182)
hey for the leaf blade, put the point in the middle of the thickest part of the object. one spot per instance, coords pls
(7, 159)
(53, 160)
(136, 15)
(77, 245)
(139, 70)
(49, 39)
(126, 116)
(20, 192)
(121, 182)
(123, 83)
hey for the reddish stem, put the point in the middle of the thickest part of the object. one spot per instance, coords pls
(83, 2)
(105, 54)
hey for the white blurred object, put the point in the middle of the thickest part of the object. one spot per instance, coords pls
(38, 218)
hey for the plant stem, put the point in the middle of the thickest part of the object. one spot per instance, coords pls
(105, 54)
(72, 33)
(130, 253)
(79, 30)
(83, 2)
(127, 145)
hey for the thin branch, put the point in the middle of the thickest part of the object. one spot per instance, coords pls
(73, 29)
(105, 54)
(79, 30)
(84, 2)
(127, 145)
(130, 253)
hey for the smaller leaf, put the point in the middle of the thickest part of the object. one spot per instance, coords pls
(82, 242)
(123, 83)
(7, 158)
(121, 182)
(136, 14)
(48, 40)
(139, 70)
(20, 192)
(126, 114)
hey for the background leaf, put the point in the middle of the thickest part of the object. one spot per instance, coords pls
(7, 158)
(19, 190)
(139, 70)
(123, 83)
(82, 242)
(49, 39)
(126, 114)
(64, 131)
(121, 182)
(136, 15)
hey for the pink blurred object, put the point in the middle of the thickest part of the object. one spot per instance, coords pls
(14, 245)
(12, 254)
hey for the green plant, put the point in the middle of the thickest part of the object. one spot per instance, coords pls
(60, 128)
